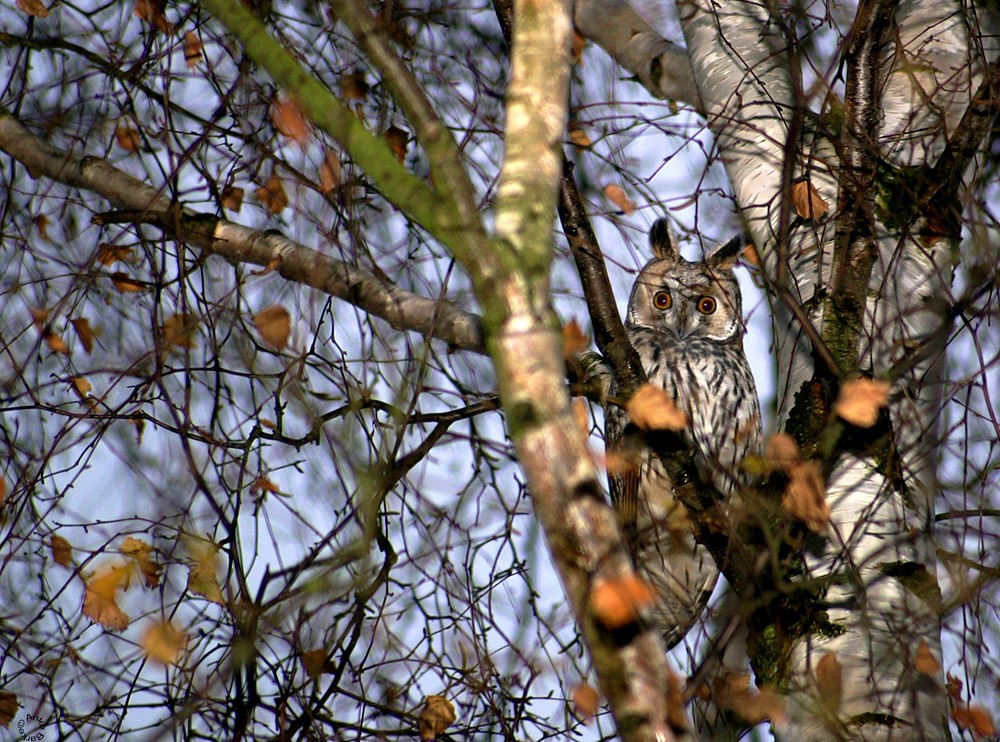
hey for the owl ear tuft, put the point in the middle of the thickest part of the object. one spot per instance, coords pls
(725, 256)
(661, 241)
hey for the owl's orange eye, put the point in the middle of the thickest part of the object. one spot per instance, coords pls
(706, 305)
(662, 300)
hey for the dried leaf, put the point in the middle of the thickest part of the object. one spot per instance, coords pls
(618, 197)
(8, 707)
(974, 718)
(128, 138)
(437, 715)
(81, 386)
(192, 49)
(398, 140)
(581, 416)
(55, 342)
(316, 662)
(274, 325)
(99, 598)
(62, 552)
(125, 283)
(153, 13)
(353, 86)
(179, 330)
(618, 464)
(781, 450)
(805, 496)
(861, 400)
(574, 340)
(580, 138)
(676, 711)
(272, 195)
(202, 579)
(81, 325)
(618, 603)
(163, 642)
(751, 256)
(111, 254)
(33, 8)
(807, 202)
(925, 662)
(586, 700)
(732, 691)
(829, 682)
(329, 173)
(577, 48)
(232, 198)
(651, 408)
(42, 225)
(141, 552)
(3, 489)
(290, 120)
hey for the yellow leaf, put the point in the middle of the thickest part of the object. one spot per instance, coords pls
(100, 597)
(163, 643)
(8, 707)
(805, 496)
(272, 195)
(617, 603)
(586, 700)
(232, 198)
(62, 552)
(861, 400)
(618, 197)
(437, 715)
(274, 325)
(202, 579)
(141, 553)
(829, 682)
(192, 49)
(33, 8)
(652, 409)
(81, 325)
(807, 202)
(179, 330)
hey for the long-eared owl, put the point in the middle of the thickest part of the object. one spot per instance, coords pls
(685, 321)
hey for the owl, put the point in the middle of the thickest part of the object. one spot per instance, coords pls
(685, 321)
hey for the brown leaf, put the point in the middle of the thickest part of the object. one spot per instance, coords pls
(581, 416)
(829, 682)
(580, 138)
(232, 198)
(652, 409)
(141, 553)
(62, 552)
(316, 662)
(618, 197)
(128, 138)
(329, 173)
(732, 691)
(807, 202)
(153, 13)
(55, 342)
(676, 712)
(272, 195)
(274, 325)
(619, 464)
(290, 120)
(81, 325)
(751, 256)
(398, 140)
(8, 707)
(586, 700)
(577, 48)
(33, 8)
(861, 400)
(42, 225)
(3, 489)
(81, 386)
(974, 718)
(111, 254)
(163, 642)
(192, 49)
(781, 450)
(125, 283)
(805, 496)
(925, 662)
(353, 86)
(618, 603)
(100, 597)
(574, 340)
(437, 715)
(179, 330)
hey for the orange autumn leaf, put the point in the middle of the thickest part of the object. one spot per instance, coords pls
(353, 86)
(232, 198)
(751, 256)
(42, 225)
(81, 325)
(179, 330)
(55, 342)
(732, 691)
(805, 496)
(100, 597)
(290, 120)
(580, 138)
(33, 8)
(618, 197)
(111, 254)
(781, 450)
(651, 408)
(829, 682)
(437, 715)
(128, 138)
(192, 49)
(141, 554)
(576, 50)
(163, 642)
(581, 416)
(81, 386)
(272, 195)
(398, 140)
(586, 700)
(8, 707)
(125, 283)
(618, 603)
(925, 662)
(861, 400)
(974, 718)
(153, 13)
(329, 173)
(807, 202)
(574, 339)
(62, 552)
(274, 325)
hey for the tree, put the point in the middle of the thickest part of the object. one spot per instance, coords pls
(321, 505)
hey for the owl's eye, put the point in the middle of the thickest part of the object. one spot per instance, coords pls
(706, 305)
(662, 300)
